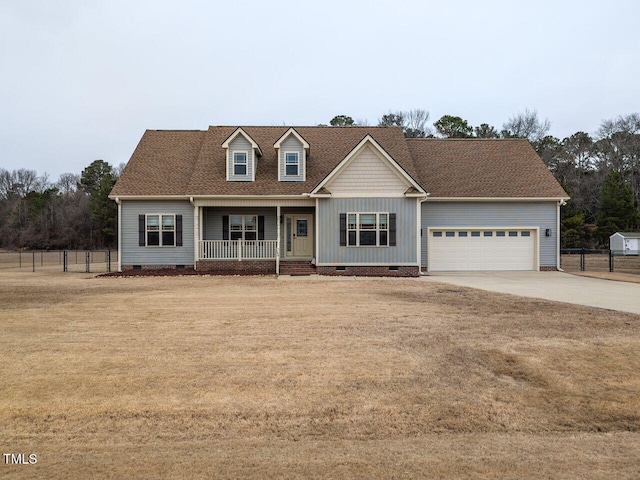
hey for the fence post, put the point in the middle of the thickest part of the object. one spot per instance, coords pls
(64, 261)
(88, 261)
(41, 258)
(20, 259)
(108, 260)
(582, 259)
(33, 261)
(611, 260)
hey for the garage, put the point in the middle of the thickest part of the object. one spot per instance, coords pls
(460, 249)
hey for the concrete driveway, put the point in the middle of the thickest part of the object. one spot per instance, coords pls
(557, 286)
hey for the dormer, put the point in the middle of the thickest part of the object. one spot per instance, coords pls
(242, 154)
(292, 151)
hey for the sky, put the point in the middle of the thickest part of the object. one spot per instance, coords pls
(82, 80)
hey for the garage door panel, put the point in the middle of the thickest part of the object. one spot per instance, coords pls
(488, 251)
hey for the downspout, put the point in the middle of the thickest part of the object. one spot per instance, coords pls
(560, 204)
(119, 203)
(420, 202)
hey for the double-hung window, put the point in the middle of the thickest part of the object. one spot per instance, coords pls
(243, 227)
(291, 164)
(239, 163)
(368, 229)
(160, 230)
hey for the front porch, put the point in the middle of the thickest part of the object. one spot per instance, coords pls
(255, 240)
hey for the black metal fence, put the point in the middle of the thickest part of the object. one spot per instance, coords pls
(85, 261)
(583, 259)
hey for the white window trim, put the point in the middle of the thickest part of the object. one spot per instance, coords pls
(146, 230)
(244, 230)
(245, 163)
(377, 229)
(297, 163)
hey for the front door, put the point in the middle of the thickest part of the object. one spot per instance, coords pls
(299, 235)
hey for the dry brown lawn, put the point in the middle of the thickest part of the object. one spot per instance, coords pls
(210, 377)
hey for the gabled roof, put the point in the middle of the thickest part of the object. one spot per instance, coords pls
(285, 135)
(368, 140)
(248, 138)
(193, 163)
(628, 234)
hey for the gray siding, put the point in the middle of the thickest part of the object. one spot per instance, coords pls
(292, 144)
(492, 214)
(212, 221)
(330, 252)
(132, 254)
(240, 144)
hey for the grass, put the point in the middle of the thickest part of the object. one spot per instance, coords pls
(209, 377)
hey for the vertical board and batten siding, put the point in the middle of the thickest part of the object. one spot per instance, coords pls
(133, 254)
(292, 145)
(212, 220)
(494, 214)
(241, 144)
(368, 174)
(331, 253)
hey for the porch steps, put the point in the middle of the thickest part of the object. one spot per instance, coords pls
(297, 267)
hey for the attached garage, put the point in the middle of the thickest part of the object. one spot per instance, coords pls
(476, 249)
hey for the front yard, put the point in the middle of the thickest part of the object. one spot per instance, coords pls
(230, 377)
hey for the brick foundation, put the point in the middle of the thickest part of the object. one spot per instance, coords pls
(234, 267)
(548, 269)
(365, 271)
(126, 268)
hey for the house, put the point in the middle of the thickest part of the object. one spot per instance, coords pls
(336, 201)
(625, 243)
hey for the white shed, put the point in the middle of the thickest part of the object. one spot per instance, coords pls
(626, 243)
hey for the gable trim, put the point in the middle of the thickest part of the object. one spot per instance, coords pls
(240, 131)
(368, 139)
(291, 131)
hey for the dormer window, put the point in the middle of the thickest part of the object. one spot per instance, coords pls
(292, 151)
(240, 163)
(292, 164)
(242, 154)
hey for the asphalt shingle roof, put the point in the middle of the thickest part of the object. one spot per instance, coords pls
(191, 163)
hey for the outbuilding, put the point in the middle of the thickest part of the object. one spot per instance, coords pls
(625, 243)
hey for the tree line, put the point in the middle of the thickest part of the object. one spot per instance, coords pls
(73, 212)
(600, 172)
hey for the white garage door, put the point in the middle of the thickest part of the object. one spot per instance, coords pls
(481, 249)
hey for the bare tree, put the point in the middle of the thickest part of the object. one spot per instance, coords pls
(413, 122)
(526, 125)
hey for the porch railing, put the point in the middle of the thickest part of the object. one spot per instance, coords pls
(238, 249)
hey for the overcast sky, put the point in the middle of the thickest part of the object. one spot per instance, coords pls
(82, 80)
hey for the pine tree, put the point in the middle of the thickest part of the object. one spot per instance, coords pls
(618, 212)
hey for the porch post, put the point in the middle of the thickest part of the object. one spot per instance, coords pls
(278, 240)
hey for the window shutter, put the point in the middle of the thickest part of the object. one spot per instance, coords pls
(141, 231)
(178, 230)
(261, 227)
(392, 229)
(225, 227)
(343, 229)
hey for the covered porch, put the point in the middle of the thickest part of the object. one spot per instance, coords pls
(260, 237)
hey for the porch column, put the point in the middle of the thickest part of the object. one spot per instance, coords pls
(278, 240)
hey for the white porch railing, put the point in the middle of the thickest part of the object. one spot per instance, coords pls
(238, 249)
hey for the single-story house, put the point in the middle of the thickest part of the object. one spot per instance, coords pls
(627, 243)
(335, 201)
